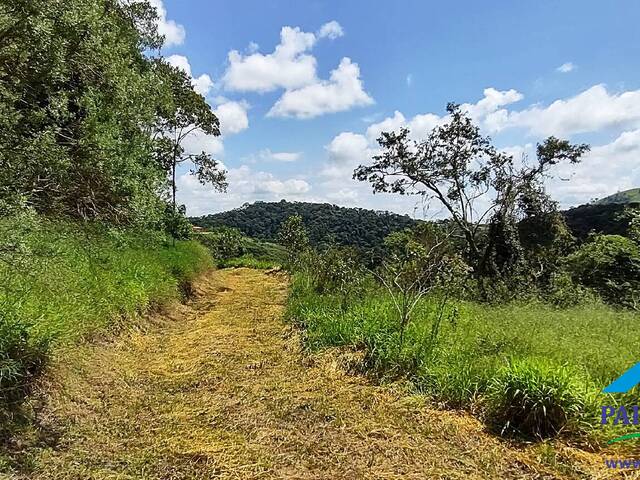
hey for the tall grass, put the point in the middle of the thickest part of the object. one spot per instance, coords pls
(528, 367)
(61, 281)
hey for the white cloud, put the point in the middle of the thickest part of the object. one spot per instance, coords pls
(493, 99)
(267, 154)
(589, 111)
(343, 91)
(606, 169)
(346, 151)
(289, 66)
(566, 67)
(233, 116)
(245, 185)
(198, 141)
(174, 33)
(202, 84)
(409, 80)
(331, 30)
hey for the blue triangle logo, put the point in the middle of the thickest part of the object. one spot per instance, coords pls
(626, 381)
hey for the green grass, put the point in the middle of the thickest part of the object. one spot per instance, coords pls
(486, 356)
(60, 282)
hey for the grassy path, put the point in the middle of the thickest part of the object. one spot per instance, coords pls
(219, 389)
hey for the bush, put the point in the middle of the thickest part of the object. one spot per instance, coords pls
(534, 398)
(223, 243)
(609, 264)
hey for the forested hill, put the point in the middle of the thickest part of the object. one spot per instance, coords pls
(625, 198)
(607, 218)
(324, 222)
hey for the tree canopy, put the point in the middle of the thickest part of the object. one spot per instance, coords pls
(81, 100)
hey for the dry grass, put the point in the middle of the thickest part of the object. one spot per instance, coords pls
(219, 389)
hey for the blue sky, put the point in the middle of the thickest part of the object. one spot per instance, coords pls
(310, 83)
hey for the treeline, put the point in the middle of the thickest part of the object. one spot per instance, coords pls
(325, 223)
(90, 117)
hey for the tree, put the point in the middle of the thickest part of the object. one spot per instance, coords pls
(183, 113)
(482, 188)
(294, 238)
(77, 96)
(417, 263)
(610, 264)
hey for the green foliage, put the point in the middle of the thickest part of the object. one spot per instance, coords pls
(72, 122)
(231, 249)
(62, 281)
(182, 113)
(176, 224)
(609, 264)
(326, 224)
(628, 196)
(294, 238)
(337, 270)
(590, 344)
(608, 219)
(224, 243)
(459, 168)
(534, 397)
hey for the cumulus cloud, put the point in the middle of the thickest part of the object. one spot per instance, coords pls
(606, 169)
(289, 66)
(343, 91)
(267, 154)
(245, 185)
(589, 111)
(331, 30)
(566, 67)
(198, 141)
(345, 152)
(174, 33)
(232, 115)
(202, 84)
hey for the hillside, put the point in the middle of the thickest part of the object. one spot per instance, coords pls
(324, 222)
(626, 197)
(607, 218)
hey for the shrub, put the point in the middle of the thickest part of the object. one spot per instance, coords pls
(534, 398)
(224, 243)
(610, 264)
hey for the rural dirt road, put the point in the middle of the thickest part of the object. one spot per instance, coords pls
(219, 388)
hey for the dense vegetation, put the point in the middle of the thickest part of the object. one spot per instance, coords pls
(91, 125)
(92, 121)
(503, 312)
(325, 223)
(232, 249)
(626, 197)
(608, 219)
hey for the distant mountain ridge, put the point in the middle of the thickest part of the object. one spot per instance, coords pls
(324, 222)
(628, 196)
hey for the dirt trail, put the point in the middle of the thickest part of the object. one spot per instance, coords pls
(219, 389)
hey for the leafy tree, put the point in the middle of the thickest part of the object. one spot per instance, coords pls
(610, 264)
(294, 238)
(338, 270)
(183, 113)
(224, 242)
(77, 95)
(482, 188)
